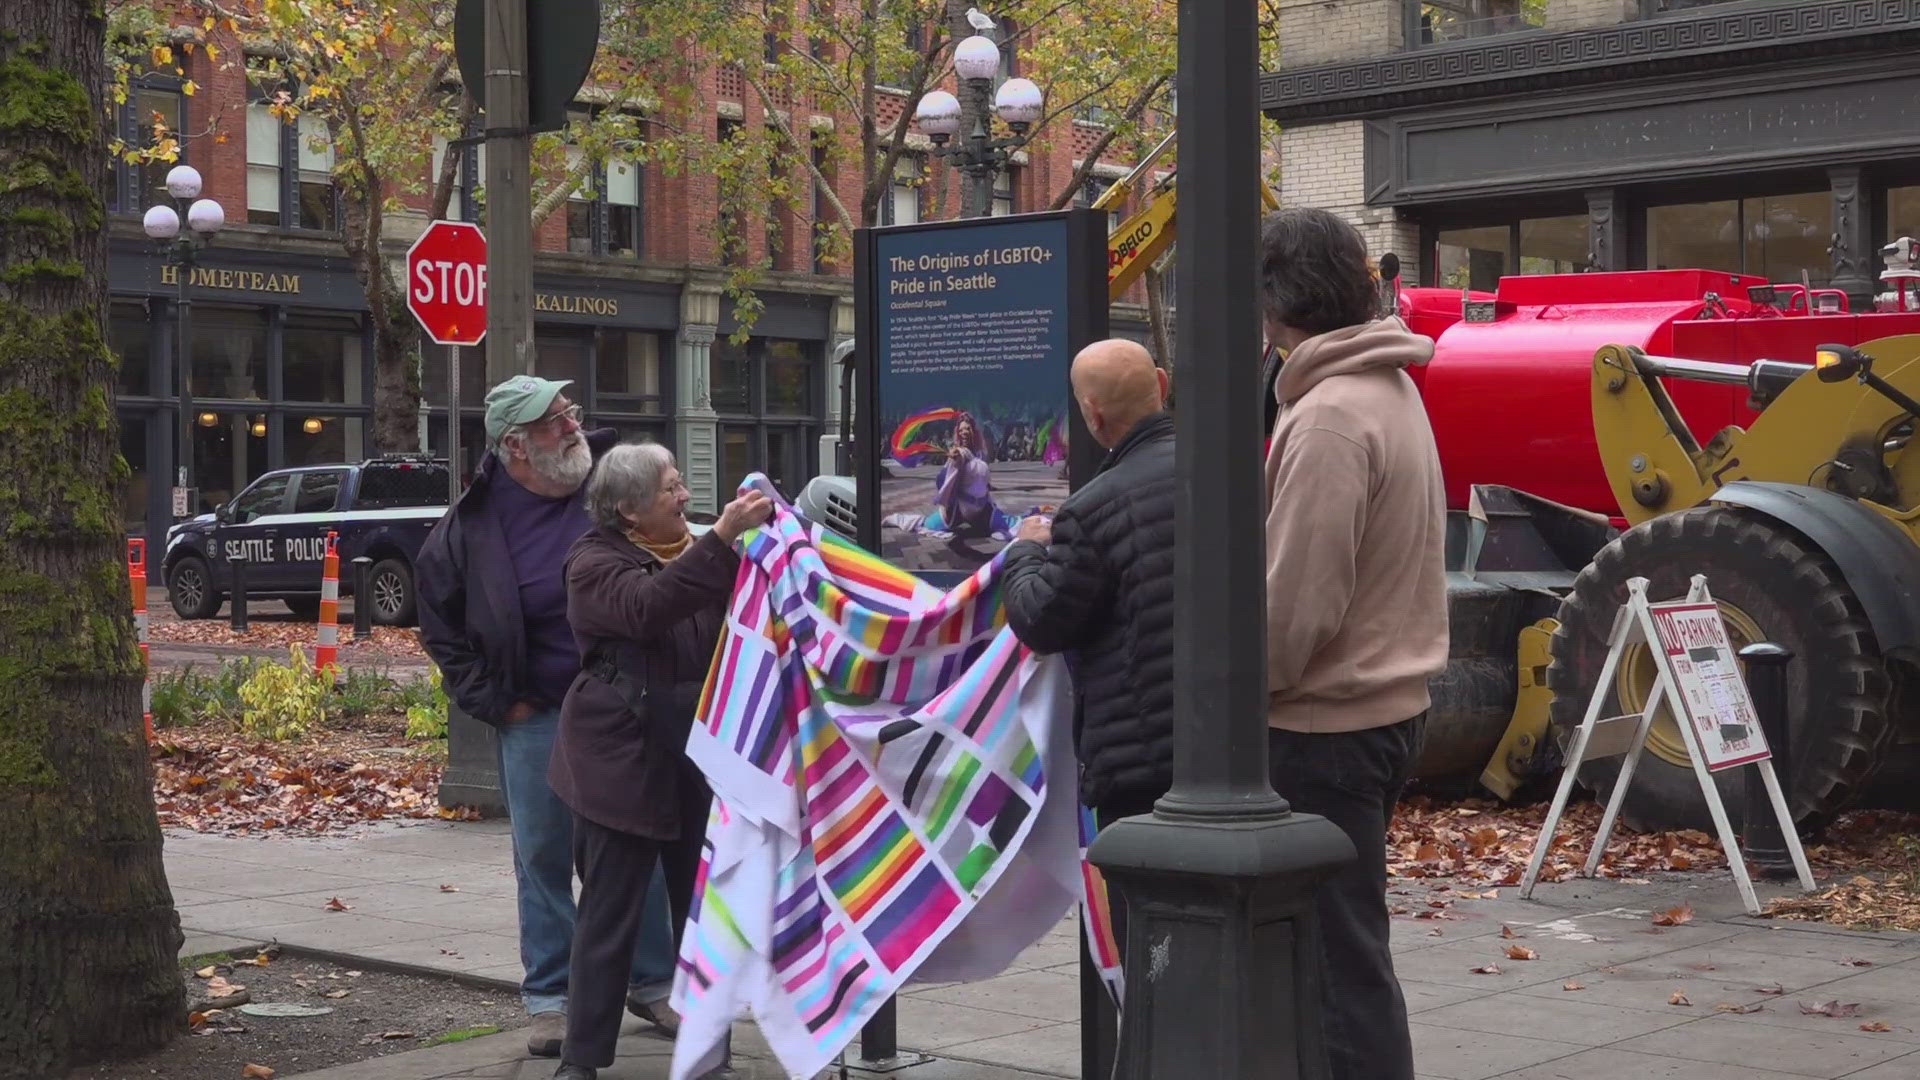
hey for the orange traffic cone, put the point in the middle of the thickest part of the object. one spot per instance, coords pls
(325, 655)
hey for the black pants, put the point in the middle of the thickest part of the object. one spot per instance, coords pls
(1353, 779)
(614, 869)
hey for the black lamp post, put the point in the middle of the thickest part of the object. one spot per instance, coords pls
(981, 156)
(204, 218)
(1222, 952)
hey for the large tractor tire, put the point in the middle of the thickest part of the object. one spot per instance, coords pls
(1771, 585)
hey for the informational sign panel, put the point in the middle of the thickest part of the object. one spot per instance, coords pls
(1697, 678)
(1708, 688)
(968, 330)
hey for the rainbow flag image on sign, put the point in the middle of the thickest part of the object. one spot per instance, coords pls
(893, 796)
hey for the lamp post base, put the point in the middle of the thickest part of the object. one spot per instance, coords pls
(1222, 944)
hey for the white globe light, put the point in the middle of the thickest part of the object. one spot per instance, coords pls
(1018, 102)
(976, 58)
(161, 223)
(206, 216)
(939, 114)
(183, 182)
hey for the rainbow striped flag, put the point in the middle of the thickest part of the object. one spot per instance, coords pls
(880, 754)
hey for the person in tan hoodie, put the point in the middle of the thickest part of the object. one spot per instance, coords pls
(1356, 598)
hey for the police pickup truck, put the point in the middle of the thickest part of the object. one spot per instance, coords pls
(381, 508)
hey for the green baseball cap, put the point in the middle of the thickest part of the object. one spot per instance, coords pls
(519, 400)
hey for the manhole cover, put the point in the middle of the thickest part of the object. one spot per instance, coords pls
(285, 1009)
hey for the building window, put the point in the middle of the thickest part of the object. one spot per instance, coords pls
(1555, 245)
(229, 353)
(902, 204)
(1462, 20)
(580, 204)
(289, 167)
(822, 208)
(154, 119)
(320, 359)
(1003, 192)
(627, 372)
(1090, 193)
(1903, 213)
(732, 244)
(1471, 258)
(1779, 237)
(131, 335)
(768, 393)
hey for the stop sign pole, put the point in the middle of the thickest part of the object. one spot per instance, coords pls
(447, 293)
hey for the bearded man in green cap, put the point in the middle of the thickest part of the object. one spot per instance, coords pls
(493, 615)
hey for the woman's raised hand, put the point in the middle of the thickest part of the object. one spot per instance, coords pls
(742, 514)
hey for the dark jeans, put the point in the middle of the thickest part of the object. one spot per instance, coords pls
(1353, 779)
(614, 867)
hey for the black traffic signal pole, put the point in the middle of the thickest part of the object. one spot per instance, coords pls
(1222, 947)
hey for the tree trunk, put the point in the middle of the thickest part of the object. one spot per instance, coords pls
(396, 336)
(88, 932)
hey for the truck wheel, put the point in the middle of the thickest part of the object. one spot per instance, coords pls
(391, 584)
(1771, 585)
(190, 589)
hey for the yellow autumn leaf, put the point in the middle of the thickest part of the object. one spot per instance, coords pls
(213, 51)
(189, 87)
(162, 55)
(208, 23)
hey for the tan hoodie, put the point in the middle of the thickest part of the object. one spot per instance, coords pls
(1356, 535)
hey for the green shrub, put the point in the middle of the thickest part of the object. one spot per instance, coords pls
(427, 717)
(187, 696)
(284, 702)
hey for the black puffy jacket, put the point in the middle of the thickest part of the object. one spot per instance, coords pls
(1102, 593)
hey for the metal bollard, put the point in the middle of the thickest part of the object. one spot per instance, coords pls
(237, 569)
(1765, 845)
(880, 1039)
(362, 598)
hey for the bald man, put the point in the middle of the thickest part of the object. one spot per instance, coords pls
(1097, 584)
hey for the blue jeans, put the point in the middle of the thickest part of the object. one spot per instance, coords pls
(543, 876)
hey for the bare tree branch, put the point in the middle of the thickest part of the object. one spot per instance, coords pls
(1133, 111)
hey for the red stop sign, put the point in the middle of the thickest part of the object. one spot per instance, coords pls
(447, 282)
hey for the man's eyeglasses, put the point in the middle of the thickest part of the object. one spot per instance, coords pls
(552, 421)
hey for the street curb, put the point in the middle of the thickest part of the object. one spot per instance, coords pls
(392, 967)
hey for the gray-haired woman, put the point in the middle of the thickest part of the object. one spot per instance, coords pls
(646, 601)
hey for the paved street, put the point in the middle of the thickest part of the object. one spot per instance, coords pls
(1519, 1024)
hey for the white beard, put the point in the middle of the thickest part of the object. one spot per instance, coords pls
(566, 466)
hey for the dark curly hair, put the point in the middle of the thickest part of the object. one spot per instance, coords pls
(1313, 271)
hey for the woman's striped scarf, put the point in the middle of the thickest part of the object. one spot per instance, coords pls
(893, 797)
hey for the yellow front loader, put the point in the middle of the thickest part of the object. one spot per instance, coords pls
(1807, 527)
(1139, 241)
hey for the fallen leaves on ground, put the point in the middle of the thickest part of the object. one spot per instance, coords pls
(1776, 989)
(1831, 1008)
(1877, 1025)
(214, 779)
(335, 904)
(257, 1072)
(1679, 997)
(1675, 916)
(1507, 932)
(449, 888)
(1861, 903)
(1521, 952)
(1480, 842)
(1487, 969)
(1730, 1007)
(278, 636)
(1573, 984)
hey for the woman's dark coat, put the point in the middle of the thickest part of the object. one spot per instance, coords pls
(647, 632)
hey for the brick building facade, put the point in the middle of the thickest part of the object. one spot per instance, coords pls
(1478, 138)
(629, 300)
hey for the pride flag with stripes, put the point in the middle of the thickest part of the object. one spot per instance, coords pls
(893, 796)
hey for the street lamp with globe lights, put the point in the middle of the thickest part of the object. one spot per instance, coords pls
(980, 157)
(204, 218)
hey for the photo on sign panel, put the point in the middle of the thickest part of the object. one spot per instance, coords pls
(972, 361)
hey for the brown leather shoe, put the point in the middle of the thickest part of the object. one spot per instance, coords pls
(658, 1013)
(549, 1031)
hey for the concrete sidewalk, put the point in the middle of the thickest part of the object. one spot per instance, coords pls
(1518, 1024)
